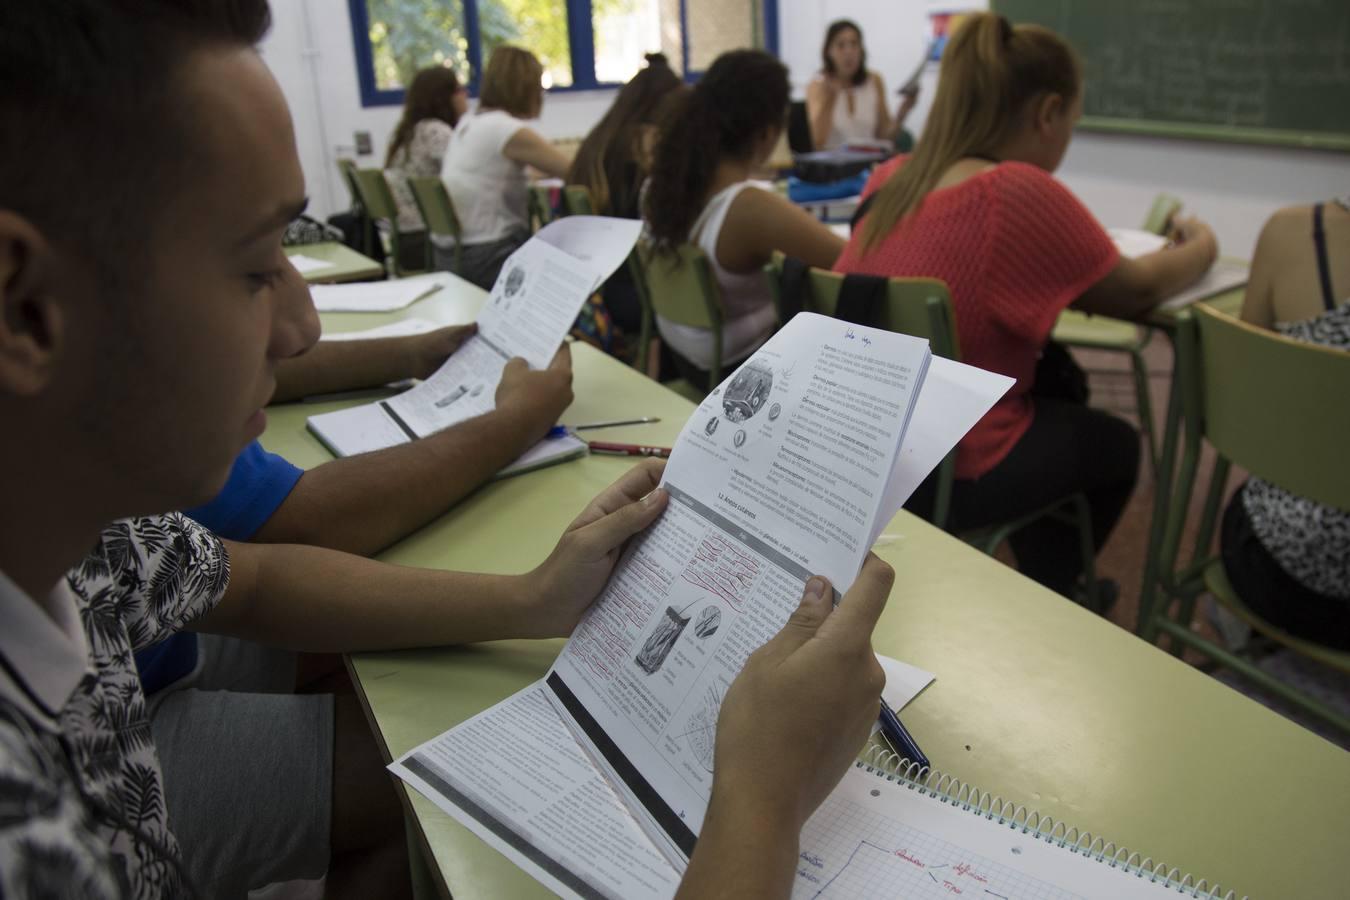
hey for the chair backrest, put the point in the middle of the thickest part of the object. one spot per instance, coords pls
(1276, 406)
(681, 285)
(375, 195)
(540, 206)
(918, 306)
(576, 200)
(434, 203)
(1161, 213)
(347, 168)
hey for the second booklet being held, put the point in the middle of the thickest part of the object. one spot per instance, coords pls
(533, 304)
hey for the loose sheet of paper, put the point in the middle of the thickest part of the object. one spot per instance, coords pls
(303, 263)
(1224, 275)
(876, 839)
(401, 328)
(376, 296)
(514, 776)
(1134, 243)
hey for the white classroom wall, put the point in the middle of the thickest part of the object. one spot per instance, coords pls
(1233, 186)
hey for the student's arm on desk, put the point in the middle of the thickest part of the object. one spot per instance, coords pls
(791, 725)
(332, 366)
(1258, 303)
(529, 148)
(362, 504)
(760, 222)
(822, 93)
(1137, 285)
(317, 600)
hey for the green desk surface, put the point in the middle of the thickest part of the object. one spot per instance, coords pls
(1036, 700)
(347, 264)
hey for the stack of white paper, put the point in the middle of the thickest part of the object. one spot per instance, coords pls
(376, 296)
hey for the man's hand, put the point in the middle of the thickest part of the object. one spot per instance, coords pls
(428, 352)
(790, 725)
(572, 577)
(538, 397)
(805, 702)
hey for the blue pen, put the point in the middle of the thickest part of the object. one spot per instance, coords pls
(900, 739)
(557, 431)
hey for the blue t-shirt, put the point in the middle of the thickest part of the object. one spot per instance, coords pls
(257, 485)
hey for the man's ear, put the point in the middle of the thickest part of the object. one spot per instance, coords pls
(31, 325)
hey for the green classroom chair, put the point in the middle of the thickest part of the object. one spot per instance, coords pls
(1078, 329)
(433, 201)
(539, 206)
(681, 288)
(576, 201)
(923, 307)
(1263, 402)
(347, 168)
(378, 202)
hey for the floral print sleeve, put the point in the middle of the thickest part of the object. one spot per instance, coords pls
(152, 576)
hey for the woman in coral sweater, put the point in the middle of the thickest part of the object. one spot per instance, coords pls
(976, 205)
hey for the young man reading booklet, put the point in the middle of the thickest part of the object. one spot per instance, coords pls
(142, 319)
(210, 696)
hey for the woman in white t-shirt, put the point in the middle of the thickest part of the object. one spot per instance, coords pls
(845, 103)
(700, 191)
(484, 168)
(434, 104)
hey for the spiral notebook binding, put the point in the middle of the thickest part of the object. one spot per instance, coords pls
(950, 790)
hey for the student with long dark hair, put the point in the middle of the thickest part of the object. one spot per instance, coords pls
(432, 107)
(614, 158)
(846, 102)
(701, 192)
(977, 206)
(612, 163)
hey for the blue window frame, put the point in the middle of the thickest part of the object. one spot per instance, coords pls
(466, 33)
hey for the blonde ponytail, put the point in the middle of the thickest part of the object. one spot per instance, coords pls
(990, 71)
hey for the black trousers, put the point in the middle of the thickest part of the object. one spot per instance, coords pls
(1271, 592)
(1069, 448)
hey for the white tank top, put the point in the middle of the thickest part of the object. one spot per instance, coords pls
(859, 125)
(747, 303)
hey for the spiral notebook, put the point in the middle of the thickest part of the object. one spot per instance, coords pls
(515, 777)
(889, 830)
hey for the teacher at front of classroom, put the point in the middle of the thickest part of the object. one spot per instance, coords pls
(845, 103)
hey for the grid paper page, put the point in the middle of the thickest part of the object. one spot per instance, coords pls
(876, 839)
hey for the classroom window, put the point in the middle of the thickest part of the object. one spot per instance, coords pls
(582, 44)
(407, 35)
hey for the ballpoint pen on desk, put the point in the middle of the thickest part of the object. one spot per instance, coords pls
(899, 739)
(642, 421)
(627, 449)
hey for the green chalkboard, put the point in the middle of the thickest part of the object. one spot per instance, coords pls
(1255, 71)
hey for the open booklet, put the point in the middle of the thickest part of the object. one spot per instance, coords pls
(792, 467)
(535, 300)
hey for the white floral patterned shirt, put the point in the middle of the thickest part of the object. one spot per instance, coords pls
(81, 795)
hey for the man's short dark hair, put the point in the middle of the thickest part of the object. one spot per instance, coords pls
(96, 133)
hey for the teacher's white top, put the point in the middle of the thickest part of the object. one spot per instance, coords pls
(858, 124)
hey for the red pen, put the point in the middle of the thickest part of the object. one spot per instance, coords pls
(627, 449)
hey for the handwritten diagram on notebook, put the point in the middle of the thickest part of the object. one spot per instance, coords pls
(877, 839)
